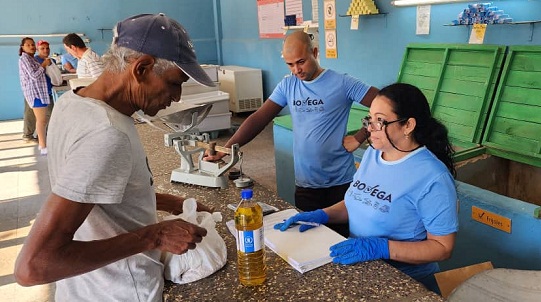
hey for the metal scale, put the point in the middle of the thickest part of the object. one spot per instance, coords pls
(190, 143)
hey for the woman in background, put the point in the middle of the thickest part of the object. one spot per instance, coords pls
(402, 205)
(34, 86)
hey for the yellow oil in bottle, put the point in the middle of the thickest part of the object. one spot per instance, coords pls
(250, 241)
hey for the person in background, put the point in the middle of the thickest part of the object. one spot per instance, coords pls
(89, 64)
(99, 225)
(319, 101)
(402, 203)
(43, 52)
(69, 63)
(34, 86)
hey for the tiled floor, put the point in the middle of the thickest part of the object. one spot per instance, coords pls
(24, 183)
(24, 186)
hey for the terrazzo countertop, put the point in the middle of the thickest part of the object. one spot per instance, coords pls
(369, 281)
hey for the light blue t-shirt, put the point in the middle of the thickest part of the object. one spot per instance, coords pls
(319, 112)
(69, 58)
(402, 200)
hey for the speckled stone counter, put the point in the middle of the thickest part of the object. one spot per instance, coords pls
(370, 281)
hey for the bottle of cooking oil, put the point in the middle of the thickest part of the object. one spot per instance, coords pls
(250, 240)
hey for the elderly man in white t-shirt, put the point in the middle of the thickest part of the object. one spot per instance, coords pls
(97, 235)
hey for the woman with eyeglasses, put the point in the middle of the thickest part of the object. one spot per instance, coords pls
(402, 203)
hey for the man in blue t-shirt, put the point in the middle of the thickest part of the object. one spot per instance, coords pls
(319, 101)
(69, 63)
(43, 52)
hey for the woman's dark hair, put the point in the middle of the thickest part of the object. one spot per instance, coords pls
(409, 101)
(22, 43)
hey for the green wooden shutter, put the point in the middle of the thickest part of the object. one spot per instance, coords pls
(514, 127)
(459, 82)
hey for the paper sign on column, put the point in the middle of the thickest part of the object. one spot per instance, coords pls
(477, 35)
(303, 251)
(315, 11)
(329, 14)
(330, 44)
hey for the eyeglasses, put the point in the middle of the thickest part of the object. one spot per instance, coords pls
(378, 125)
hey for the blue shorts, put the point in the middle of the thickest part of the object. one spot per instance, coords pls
(38, 104)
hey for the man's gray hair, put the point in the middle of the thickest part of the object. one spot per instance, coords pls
(117, 58)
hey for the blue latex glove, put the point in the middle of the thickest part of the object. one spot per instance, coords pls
(360, 249)
(317, 216)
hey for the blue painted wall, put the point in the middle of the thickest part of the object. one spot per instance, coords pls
(34, 17)
(372, 53)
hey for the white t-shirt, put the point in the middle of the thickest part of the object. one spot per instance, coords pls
(95, 156)
(90, 65)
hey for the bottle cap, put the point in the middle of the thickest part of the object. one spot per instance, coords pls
(246, 193)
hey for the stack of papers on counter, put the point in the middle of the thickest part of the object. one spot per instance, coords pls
(303, 251)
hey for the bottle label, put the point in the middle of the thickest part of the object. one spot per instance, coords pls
(250, 241)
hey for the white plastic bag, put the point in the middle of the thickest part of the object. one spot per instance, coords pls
(210, 254)
(54, 74)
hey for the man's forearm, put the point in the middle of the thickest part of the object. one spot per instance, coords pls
(361, 135)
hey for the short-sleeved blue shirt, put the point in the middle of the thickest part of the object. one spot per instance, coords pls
(65, 58)
(320, 111)
(402, 200)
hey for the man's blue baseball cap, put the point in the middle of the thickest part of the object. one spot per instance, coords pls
(162, 37)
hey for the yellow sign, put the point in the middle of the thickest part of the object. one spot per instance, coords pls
(494, 220)
(477, 35)
(330, 44)
(330, 14)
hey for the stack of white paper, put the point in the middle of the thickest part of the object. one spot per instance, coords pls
(303, 251)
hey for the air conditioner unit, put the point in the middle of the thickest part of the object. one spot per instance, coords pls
(244, 86)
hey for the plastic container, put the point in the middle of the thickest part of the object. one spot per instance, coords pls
(250, 240)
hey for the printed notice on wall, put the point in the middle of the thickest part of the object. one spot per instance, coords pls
(315, 11)
(477, 35)
(423, 20)
(354, 22)
(294, 7)
(270, 14)
(330, 44)
(330, 14)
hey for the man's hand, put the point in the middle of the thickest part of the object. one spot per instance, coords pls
(176, 236)
(46, 62)
(350, 143)
(215, 157)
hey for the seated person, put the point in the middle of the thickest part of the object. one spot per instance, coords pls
(69, 63)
